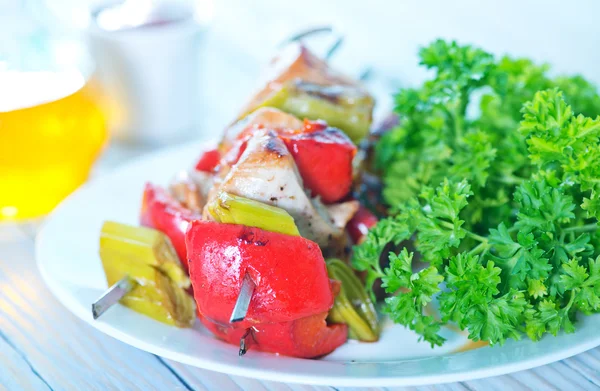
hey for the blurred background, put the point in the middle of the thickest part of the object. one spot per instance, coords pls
(82, 80)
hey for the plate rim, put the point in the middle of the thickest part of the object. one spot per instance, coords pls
(67, 301)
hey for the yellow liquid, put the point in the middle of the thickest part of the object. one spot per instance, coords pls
(471, 345)
(51, 131)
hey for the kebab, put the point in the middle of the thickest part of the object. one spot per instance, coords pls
(252, 221)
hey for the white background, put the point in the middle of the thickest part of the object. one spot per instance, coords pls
(387, 34)
(384, 34)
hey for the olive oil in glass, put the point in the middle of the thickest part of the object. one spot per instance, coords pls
(51, 131)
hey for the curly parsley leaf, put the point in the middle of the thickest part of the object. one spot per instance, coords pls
(521, 260)
(472, 300)
(564, 144)
(547, 317)
(366, 257)
(440, 227)
(493, 175)
(418, 289)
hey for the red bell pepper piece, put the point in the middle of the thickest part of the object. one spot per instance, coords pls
(324, 158)
(307, 337)
(162, 212)
(313, 126)
(289, 272)
(208, 160)
(359, 225)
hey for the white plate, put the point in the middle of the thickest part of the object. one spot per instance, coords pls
(67, 255)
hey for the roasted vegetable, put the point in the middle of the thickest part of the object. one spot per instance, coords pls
(208, 161)
(232, 209)
(289, 272)
(292, 293)
(324, 158)
(164, 213)
(352, 306)
(302, 84)
(358, 227)
(307, 337)
(296, 62)
(148, 258)
(344, 107)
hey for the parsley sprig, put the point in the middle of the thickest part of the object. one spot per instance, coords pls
(494, 175)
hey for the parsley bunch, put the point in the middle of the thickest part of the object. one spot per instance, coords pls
(494, 174)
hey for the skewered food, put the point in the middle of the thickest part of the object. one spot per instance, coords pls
(252, 220)
(147, 258)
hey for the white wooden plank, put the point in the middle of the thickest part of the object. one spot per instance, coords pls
(493, 383)
(246, 383)
(556, 374)
(199, 378)
(419, 388)
(546, 379)
(306, 387)
(594, 353)
(204, 379)
(592, 375)
(16, 372)
(356, 389)
(423, 388)
(397, 389)
(67, 353)
(275, 386)
(210, 380)
(450, 387)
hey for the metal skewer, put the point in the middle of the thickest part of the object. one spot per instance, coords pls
(240, 309)
(306, 33)
(112, 296)
(298, 37)
(336, 45)
(243, 344)
(365, 74)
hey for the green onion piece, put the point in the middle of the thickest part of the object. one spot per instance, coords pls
(353, 305)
